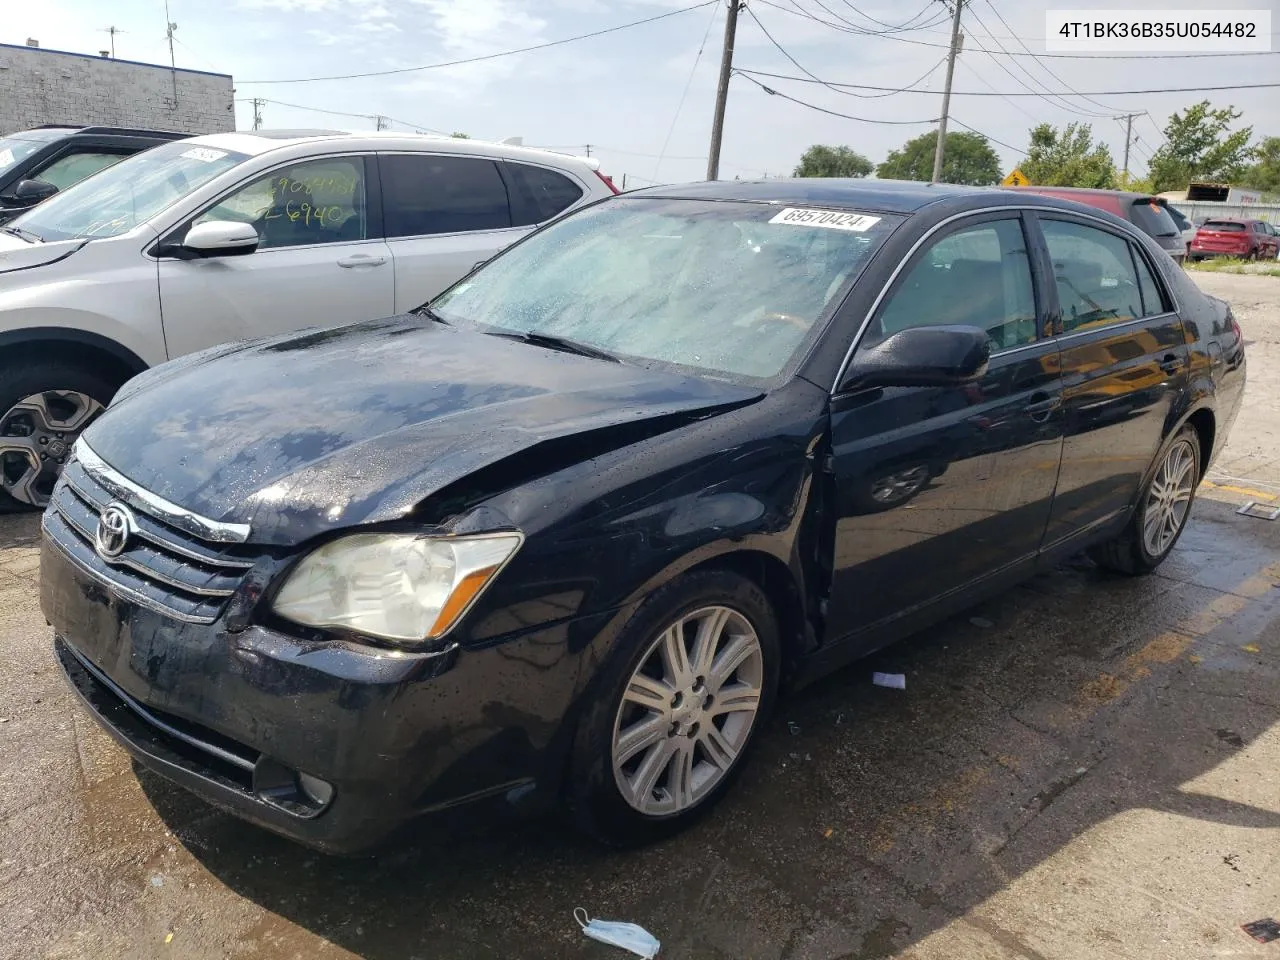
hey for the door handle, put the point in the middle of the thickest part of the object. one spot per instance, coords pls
(362, 260)
(1041, 405)
(1170, 363)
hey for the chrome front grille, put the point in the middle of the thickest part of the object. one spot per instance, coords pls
(166, 569)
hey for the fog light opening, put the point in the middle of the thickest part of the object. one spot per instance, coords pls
(297, 793)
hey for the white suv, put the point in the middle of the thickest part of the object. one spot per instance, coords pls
(222, 237)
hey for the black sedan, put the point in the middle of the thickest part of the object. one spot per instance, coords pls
(564, 534)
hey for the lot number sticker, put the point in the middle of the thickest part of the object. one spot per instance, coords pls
(857, 222)
(203, 154)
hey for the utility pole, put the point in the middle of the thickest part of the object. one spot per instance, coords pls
(588, 146)
(722, 89)
(1128, 135)
(170, 26)
(940, 149)
(380, 122)
(258, 104)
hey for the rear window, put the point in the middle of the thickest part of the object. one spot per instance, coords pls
(539, 193)
(1224, 226)
(1153, 219)
(1182, 222)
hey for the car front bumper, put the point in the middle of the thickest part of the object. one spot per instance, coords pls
(381, 736)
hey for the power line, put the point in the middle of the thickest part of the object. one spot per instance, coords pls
(814, 78)
(687, 84)
(376, 117)
(1013, 103)
(1058, 102)
(988, 136)
(1025, 92)
(844, 116)
(893, 26)
(1014, 53)
(1045, 67)
(494, 56)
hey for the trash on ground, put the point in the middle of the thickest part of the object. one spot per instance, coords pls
(1264, 931)
(793, 727)
(1251, 648)
(168, 938)
(839, 719)
(628, 936)
(981, 622)
(826, 834)
(895, 681)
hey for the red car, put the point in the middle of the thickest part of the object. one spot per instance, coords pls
(1232, 237)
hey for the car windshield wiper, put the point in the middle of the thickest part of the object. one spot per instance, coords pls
(426, 311)
(552, 342)
(26, 235)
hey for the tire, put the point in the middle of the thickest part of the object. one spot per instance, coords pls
(596, 801)
(1132, 552)
(73, 394)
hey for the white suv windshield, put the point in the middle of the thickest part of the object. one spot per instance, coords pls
(19, 146)
(128, 193)
(736, 290)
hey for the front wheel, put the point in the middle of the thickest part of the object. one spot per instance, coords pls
(676, 711)
(1162, 512)
(44, 407)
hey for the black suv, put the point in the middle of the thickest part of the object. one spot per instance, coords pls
(36, 164)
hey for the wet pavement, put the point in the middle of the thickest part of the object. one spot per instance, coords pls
(1086, 767)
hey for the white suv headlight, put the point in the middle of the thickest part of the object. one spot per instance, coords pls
(400, 587)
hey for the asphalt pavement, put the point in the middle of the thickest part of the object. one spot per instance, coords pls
(1088, 766)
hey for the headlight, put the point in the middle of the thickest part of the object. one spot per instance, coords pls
(400, 587)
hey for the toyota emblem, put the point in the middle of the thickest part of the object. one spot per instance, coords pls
(115, 526)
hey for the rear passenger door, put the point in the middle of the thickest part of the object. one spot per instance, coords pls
(443, 213)
(1124, 363)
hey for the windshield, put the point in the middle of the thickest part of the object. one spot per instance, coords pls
(127, 193)
(729, 289)
(18, 146)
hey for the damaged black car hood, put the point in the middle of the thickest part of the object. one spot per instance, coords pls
(360, 424)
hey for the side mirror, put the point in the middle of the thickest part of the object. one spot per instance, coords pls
(221, 238)
(30, 192)
(941, 356)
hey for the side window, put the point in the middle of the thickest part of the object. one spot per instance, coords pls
(315, 201)
(1153, 301)
(74, 167)
(1094, 273)
(541, 193)
(978, 276)
(427, 194)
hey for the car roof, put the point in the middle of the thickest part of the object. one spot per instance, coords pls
(1231, 220)
(254, 142)
(890, 196)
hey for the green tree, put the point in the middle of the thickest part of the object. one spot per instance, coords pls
(1265, 173)
(968, 159)
(1068, 158)
(460, 136)
(1198, 147)
(824, 161)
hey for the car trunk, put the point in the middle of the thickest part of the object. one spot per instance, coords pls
(1222, 238)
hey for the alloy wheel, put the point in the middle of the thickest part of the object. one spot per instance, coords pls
(687, 711)
(36, 437)
(1169, 498)
(899, 486)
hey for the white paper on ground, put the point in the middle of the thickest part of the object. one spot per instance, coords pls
(898, 681)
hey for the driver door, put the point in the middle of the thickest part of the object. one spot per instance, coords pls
(939, 488)
(321, 260)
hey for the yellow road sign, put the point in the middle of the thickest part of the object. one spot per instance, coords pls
(1016, 179)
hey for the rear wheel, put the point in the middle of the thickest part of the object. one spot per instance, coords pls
(44, 408)
(677, 710)
(1162, 512)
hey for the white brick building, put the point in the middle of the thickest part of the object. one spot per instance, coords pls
(40, 86)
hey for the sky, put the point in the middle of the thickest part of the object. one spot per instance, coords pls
(643, 97)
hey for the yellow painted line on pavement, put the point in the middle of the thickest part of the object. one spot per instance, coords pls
(1246, 491)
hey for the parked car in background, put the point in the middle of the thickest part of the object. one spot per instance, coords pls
(36, 164)
(1235, 237)
(1148, 213)
(563, 533)
(239, 235)
(1185, 226)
